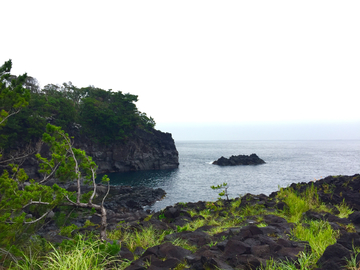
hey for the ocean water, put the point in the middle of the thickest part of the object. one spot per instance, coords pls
(287, 162)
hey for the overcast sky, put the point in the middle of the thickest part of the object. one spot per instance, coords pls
(202, 69)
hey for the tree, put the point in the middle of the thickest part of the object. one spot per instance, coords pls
(25, 204)
(68, 163)
(13, 96)
(106, 116)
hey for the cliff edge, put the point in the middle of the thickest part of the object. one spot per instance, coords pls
(145, 150)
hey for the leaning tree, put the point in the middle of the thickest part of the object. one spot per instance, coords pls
(24, 203)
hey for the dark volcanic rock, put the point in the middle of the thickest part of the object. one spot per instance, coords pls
(246, 245)
(144, 150)
(334, 256)
(253, 159)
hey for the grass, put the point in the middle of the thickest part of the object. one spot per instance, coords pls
(318, 233)
(344, 210)
(193, 225)
(82, 254)
(297, 204)
(305, 262)
(144, 238)
(252, 210)
(184, 244)
(352, 263)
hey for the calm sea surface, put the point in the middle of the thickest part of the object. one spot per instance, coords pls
(286, 162)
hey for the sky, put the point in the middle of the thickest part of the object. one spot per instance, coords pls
(204, 70)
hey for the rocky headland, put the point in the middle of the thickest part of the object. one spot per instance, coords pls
(253, 159)
(145, 150)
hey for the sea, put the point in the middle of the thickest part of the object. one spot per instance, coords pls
(287, 162)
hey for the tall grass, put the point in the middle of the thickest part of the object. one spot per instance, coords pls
(144, 238)
(318, 233)
(344, 210)
(81, 255)
(305, 262)
(297, 204)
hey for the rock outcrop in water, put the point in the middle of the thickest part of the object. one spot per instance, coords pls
(253, 159)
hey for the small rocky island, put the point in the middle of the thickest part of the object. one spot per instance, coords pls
(253, 159)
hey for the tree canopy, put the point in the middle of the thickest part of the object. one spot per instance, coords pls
(13, 97)
(104, 116)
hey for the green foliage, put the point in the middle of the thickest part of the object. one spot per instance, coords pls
(212, 244)
(144, 237)
(24, 207)
(67, 231)
(353, 263)
(182, 204)
(13, 96)
(64, 215)
(318, 233)
(184, 244)
(88, 223)
(161, 216)
(305, 262)
(224, 192)
(65, 158)
(182, 229)
(297, 204)
(81, 253)
(60, 218)
(344, 210)
(15, 225)
(29, 124)
(104, 116)
(112, 248)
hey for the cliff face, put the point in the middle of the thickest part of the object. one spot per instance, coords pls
(144, 151)
(153, 150)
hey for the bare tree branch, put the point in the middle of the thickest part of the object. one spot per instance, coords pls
(35, 202)
(10, 114)
(72, 203)
(107, 193)
(40, 218)
(77, 171)
(7, 253)
(47, 177)
(94, 185)
(22, 156)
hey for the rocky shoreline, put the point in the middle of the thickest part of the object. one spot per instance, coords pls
(250, 242)
(249, 246)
